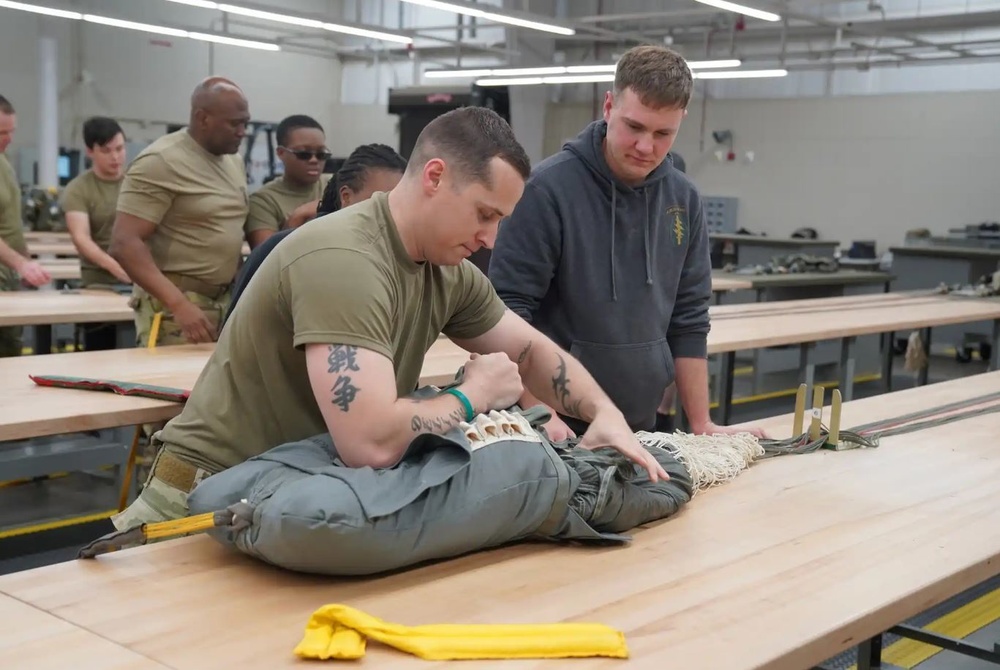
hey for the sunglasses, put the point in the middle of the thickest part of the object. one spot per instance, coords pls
(305, 154)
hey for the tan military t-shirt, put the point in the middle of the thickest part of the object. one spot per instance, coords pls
(97, 198)
(198, 201)
(272, 203)
(344, 278)
(11, 225)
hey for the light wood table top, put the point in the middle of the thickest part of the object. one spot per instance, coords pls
(838, 278)
(31, 639)
(36, 308)
(31, 410)
(47, 236)
(34, 412)
(730, 284)
(62, 268)
(785, 326)
(796, 560)
(52, 249)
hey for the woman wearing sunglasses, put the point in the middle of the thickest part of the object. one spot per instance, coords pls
(291, 200)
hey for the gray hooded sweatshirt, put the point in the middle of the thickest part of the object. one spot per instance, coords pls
(619, 276)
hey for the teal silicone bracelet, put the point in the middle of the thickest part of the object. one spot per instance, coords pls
(470, 413)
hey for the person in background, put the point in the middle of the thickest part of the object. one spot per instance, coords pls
(181, 215)
(14, 258)
(291, 200)
(89, 203)
(371, 168)
(607, 251)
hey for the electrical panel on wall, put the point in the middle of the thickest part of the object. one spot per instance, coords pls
(720, 213)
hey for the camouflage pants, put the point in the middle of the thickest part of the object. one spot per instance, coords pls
(158, 500)
(146, 307)
(10, 336)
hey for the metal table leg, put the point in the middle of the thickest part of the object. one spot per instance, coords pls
(43, 339)
(725, 407)
(888, 347)
(995, 353)
(848, 350)
(870, 653)
(807, 365)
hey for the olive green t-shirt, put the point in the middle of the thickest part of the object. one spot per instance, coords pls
(11, 225)
(97, 198)
(198, 202)
(344, 278)
(272, 203)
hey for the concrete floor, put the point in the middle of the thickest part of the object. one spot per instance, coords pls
(80, 494)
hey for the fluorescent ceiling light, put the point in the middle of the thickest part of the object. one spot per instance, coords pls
(204, 4)
(132, 25)
(143, 27)
(553, 70)
(559, 79)
(297, 21)
(41, 10)
(713, 64)
(602, 78)
(491, 16)
(741, 74)
(741, 9)
(234, 41)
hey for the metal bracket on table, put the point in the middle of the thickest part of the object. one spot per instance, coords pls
(816, 415)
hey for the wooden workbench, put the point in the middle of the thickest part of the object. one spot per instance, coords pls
(807, 279)
(32, 639)
(33, 411)
(798, 559)
(36, 308)
(62, 269)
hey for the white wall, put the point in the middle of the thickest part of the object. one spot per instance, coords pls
(854, 168)
(147, 79)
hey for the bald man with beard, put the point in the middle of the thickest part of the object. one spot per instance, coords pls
(180, 219)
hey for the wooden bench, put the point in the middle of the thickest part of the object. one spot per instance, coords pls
(795, 561)
(44, 309)
(734, 328)
(32, 639)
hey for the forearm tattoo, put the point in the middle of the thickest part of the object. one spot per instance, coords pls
(523, 356)
(560, 386)
(342, 360)
(437, 424)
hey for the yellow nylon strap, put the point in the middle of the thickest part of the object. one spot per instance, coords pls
(178, 527)
(340, 632)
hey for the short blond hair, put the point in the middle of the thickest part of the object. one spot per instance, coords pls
(658, 75)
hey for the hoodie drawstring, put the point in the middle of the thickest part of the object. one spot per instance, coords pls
(614, 288)
(649, 271)
(647, 248)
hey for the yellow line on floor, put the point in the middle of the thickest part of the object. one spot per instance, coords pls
(860, 379)
(53, 525)
(959, 623)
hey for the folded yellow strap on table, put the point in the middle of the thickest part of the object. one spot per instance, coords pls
(340, 632)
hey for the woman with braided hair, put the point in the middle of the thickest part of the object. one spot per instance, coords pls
(369, 169)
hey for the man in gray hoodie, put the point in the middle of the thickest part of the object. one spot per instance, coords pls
(607, 252)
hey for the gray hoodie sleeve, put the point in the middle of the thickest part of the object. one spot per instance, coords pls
(689, 323)
(527, 252)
